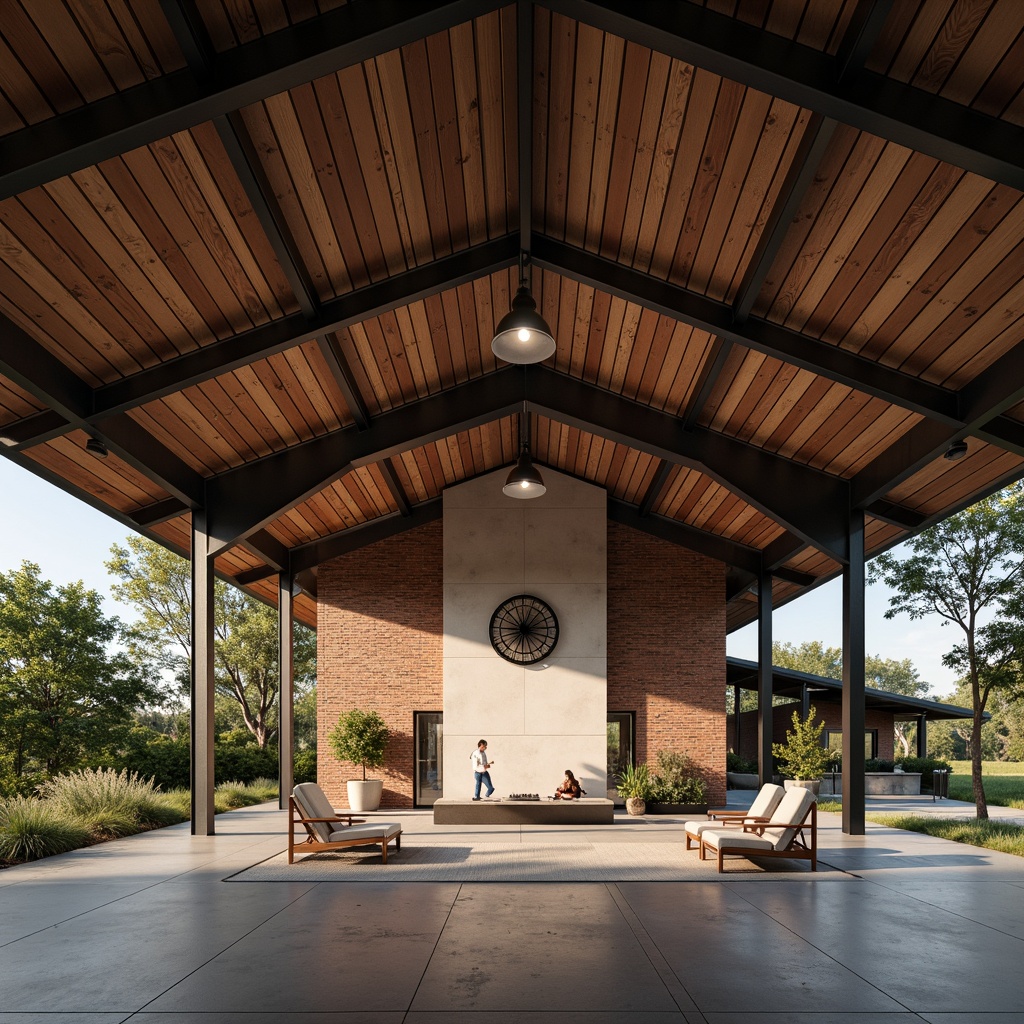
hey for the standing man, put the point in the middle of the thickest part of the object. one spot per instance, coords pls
(480, 772)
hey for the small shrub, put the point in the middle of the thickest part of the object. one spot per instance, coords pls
(677, 779)
(360, 737)
(735, 763)
(634, 782)
(232, 795)
(924, 765)
(878, 764)
(30, 829)
(305, 765)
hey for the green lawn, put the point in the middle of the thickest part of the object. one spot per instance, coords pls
(1003, 781)
(992, 835)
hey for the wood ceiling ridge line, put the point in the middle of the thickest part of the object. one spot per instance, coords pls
(247, 74)
(865, 100)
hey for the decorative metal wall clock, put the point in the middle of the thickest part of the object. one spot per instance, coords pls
(524, 630)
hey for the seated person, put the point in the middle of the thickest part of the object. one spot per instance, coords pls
(570, 789)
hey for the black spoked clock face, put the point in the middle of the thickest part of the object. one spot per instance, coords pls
(524, 630)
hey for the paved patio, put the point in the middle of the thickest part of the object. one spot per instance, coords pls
(145, 929)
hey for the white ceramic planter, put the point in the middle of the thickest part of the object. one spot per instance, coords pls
(364, 796)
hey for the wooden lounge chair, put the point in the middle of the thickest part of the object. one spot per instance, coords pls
(788, 833)
(759, 811)
(327, 830)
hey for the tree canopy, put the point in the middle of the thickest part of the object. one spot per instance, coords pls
(968, 570)
(157, 583)
(66, 692)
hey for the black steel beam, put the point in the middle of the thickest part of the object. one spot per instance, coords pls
(656, 486)
(524, 113)
(739, 556)
(710, 371)
(234, 136)
(268, 66)
(272, 551)
(716, 318)
(810, 503)
(981, 403)
(811, 78)
(364, 303)
(159, 512)
(395, 487)
(32, 430)
(815, 142)
(309, 555)
(247, 498)
(342, 374)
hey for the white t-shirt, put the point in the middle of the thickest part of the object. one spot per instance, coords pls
(479, 759)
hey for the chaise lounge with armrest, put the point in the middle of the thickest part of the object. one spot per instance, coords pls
(787, 834)
(759, 811)
(327, 830)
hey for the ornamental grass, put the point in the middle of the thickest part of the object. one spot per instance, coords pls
(30, 829)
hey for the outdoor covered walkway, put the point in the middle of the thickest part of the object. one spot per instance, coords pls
(901, 928)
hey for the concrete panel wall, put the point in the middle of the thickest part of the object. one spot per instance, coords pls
(538, 719)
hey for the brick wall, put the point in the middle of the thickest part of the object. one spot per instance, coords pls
(379, 647)
(666, 649)
(380, 626)
(832, 714)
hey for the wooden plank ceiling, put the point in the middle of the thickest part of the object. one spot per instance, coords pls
(258, 249)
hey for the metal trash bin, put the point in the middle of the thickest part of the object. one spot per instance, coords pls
(940, 784)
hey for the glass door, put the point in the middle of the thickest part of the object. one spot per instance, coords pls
(428, 783)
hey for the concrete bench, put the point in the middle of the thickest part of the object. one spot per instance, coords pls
(587, 811)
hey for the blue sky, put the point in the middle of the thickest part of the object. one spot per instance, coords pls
(70, 541)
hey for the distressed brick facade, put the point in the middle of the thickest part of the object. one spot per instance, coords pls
(380, 645)
(666, 649)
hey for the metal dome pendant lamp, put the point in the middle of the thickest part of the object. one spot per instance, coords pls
(522, 334)
(525, 480)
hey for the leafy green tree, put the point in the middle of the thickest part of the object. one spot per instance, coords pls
(66, 693)
(812, 656)
(157, 583)
(965, 569)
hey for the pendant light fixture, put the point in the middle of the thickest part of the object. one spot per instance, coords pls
(522, 334)
(525, 480)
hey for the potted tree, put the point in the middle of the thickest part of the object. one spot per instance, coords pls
(802, 755)
(635, 787)
(361, 737)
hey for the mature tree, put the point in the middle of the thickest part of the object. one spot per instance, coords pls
(811, 656)
(65, 692)
(964, 569)
(157, 583)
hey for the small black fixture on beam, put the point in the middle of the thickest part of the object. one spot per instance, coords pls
(957, 450)
(96, 447)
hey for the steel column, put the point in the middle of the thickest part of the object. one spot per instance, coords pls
(286, 692)
(922, 736)
(853, 680)
(736, 734)
(202, 727)
(764, 677)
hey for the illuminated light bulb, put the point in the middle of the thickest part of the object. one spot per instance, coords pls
(524, 334)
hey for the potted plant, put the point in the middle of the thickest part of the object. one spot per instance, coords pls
(635, 787)
(802, 755)
(361, 737)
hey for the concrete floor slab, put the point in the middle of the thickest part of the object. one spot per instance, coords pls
(145, 929)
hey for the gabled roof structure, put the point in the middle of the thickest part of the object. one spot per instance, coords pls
(258, 249)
